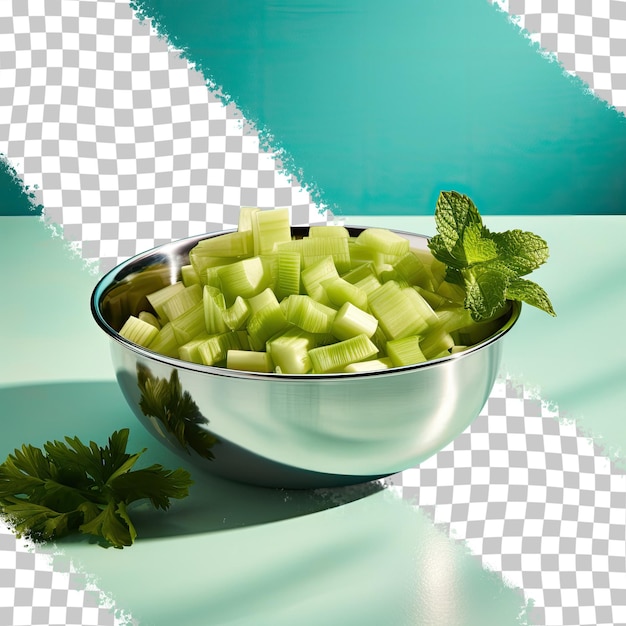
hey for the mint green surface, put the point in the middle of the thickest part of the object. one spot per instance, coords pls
(228, 554)
(384, 104)
(576, 361)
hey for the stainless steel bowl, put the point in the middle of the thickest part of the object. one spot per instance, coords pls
(289, 431)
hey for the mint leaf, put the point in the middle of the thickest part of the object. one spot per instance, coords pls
(531, 293)
(478, 247)
(488, 265)
(485, 293)
(453, 214)
(522, 251)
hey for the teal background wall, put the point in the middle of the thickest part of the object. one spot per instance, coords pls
(382, 105)
(15, 198)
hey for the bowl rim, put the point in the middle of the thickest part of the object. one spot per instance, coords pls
(122, 272)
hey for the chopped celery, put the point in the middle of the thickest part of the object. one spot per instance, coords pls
(315, 249)
(335, 357)
(214, 350)
(309, 315)
(265, 323)
(190, 324)
(351, 321)
(236, 244)
(139, 332)
(261, 300)
(313, 276)
(395, 311)
(158, 298)
(213, 316)
(249, 360)
(189, 276)
(244, 278)
(245, 217)
(237, 314)
(330, 230)
(435, 342)
(384, 241)
(288, 281)
(182, 301)
(368, 284)
(146, 316)
(360, 272)
(405, 351)
(270, 228)
(189, 351)
(340, 291)
(290, 351)
(165, 342)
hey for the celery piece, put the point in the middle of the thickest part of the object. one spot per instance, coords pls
(316, 249)
(290, 351)
(379, 339)
(421, 306)
(249, 360)
(236, 244)
(330, 230)
(269, 228)
(146, 316)
(351, 321)
(244, 340)
(244, 278)
(435, 342)
(456, 293)
(365, 270)
(454, 318)
(165, 342)
(372, 365)
(265, 323)
(384, 241)
(313, 276)
(478, 331)
(158, 298)
(360, 255)
(214, 349)
(212, 313)
(236, 315)
(202, 261)
(396, 312)
(435, 300)
(216, 294)
(339, 291)
(182, 301)
(211, 276)
(368, 284)
(190, 324)
(139, 332)
(386, 272)
(335, 357)
(456, 349)
(189, 276)
(405, 351)
(310, 315)
(245, 217)
(288, 280)
(412, 269)
(261, 300)
(189, 351)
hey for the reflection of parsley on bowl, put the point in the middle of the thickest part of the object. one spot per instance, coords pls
(176, 411)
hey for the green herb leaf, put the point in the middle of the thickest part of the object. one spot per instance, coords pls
(73, 487)
(531, 293)
(488, 265)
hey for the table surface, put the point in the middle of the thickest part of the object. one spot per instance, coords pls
(234, 554)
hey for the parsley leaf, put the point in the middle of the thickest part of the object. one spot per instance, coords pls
(72, 487)
(488, 265)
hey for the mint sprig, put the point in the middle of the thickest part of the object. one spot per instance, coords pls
(490, 266)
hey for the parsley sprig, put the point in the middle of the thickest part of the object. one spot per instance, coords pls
(489, 266)
(72, 487)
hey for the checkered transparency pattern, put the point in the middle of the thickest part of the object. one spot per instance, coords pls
(536, 501)
(588, 38)
(125, 142)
